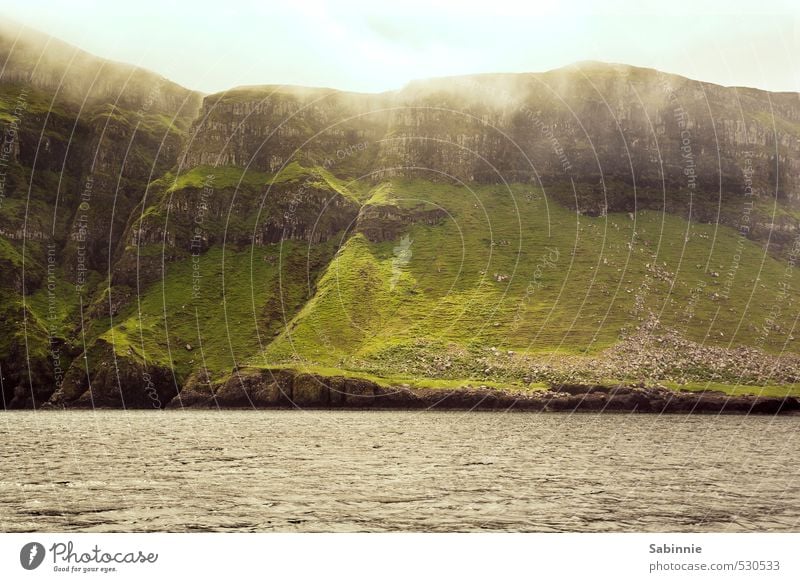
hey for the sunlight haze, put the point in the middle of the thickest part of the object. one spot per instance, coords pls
(359, 45)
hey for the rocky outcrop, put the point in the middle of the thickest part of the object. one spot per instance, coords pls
(192, 220)
(264, 128)
(381, 222)
(114, 380)
(245, 388)
(281, 388)
(627, 138)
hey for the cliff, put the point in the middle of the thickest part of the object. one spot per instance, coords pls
(626, 138)
(590, 223)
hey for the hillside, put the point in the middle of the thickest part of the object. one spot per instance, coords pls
(595, 224)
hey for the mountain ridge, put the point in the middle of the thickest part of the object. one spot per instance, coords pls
(403, 235)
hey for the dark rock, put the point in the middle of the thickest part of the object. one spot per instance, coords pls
(774, 405)
(397, 397)
(576, 389)
(310, 390)
(359, 392)
(236, 391)
(336, 391)
(276, 388)
(197, 392)
(118, 381)
(244, 388)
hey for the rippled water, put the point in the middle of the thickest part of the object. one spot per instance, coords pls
(376, 471)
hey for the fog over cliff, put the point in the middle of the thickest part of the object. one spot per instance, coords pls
(113, 176)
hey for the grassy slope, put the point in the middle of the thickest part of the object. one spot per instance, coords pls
(770, 390)
(236, 177)
(211, 312)
(223, 328)
(446, 297)
(375, 308)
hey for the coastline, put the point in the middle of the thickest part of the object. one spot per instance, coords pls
(257, 388)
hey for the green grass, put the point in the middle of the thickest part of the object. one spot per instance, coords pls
(215, 177)
(365, 308)
(426, 314)
(10, 254)
(249, 186)
(776, 391)
(313, 177)
(415, 382)
(35, 101)
(222, 328)
(56, 308)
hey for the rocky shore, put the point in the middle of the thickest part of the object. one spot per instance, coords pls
(264, 388)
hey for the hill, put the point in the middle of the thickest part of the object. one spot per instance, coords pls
(594, 224)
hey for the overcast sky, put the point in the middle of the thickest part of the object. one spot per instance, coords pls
(369, 45)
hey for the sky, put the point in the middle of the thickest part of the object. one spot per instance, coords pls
(371, 46)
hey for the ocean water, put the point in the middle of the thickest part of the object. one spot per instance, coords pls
(396, 471)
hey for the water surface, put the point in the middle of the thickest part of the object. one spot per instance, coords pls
(396, 471)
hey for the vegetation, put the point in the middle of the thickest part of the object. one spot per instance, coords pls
(509, 277)
(421, 281)
(213, 311)
(776, 391)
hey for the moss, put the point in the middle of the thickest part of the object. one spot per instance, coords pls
(10, 254)
(215, 177)
(224, 304)
(775, 391)
(36, 101)
(313, 177)
(369, 307)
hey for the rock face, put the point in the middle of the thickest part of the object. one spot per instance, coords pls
(381, 222)
(198, 218)
(622, 135)
(525, 127)
(117, 382)
(265, 128)
(311, 212)
(281, 388)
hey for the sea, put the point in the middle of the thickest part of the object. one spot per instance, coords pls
(390, 471)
